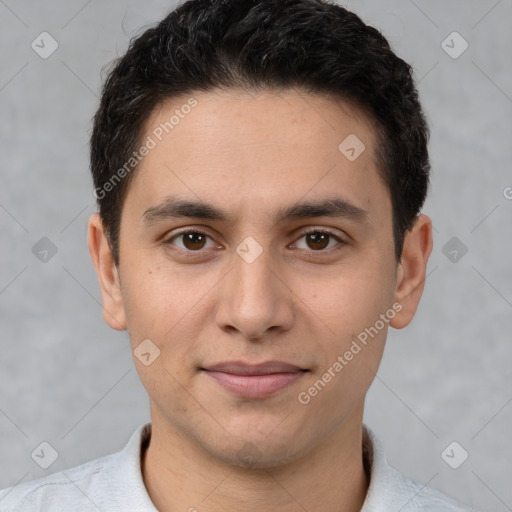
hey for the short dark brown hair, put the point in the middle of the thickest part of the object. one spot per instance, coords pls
(315, 45)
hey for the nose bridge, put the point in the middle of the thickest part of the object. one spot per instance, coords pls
(253, 300)
(252, 286)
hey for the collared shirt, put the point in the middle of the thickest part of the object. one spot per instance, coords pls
(114, 483)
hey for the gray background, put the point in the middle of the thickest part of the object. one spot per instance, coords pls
(68, 379)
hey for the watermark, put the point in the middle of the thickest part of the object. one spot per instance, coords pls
(304, 397)
(351, 147)
(454, 455)
(146, 352)
(249, 455)
(454, 249)
(249, 249)
(44, 455)
(44, 249)
(44, 45)
(454, 45)
(507, 193)
(151, 142)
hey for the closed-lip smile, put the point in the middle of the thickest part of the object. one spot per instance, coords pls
(254, 380)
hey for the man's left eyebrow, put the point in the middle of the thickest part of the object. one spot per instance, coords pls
(174, 207)
(334, 207)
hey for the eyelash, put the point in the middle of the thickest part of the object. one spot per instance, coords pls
(323, 231)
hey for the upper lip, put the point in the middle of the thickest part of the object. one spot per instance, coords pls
(265, 368)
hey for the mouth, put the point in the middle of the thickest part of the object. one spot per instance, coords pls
(254, 380)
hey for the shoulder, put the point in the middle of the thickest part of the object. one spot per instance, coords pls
(111, 482)
(67, 488)
(417, 497)
(390, 491)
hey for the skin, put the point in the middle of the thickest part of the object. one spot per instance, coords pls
(299, 301)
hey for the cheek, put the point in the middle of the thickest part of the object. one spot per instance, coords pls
(155, 299)
(350, 306)
(351, 355)
(163, 308)
(352, 299)
(171, 309)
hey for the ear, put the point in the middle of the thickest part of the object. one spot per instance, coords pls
(108, 275)
(411, 272)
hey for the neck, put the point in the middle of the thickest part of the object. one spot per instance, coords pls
(330, 478)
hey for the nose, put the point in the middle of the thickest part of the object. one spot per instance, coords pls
(254, 299)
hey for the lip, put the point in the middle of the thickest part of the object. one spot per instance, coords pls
(254, 380)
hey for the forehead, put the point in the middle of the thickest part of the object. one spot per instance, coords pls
(246, 149)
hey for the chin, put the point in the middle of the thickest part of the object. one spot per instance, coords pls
(260, 455)
(256, 450)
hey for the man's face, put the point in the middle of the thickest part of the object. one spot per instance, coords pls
(255, 287)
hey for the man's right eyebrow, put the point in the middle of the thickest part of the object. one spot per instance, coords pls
(173, 207)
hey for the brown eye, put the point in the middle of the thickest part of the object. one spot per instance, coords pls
(191, 241)
(317, 241)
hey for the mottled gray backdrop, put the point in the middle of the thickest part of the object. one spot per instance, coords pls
(69, 380)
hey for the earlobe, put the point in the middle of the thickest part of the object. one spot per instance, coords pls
(108, 275)
(411, 271)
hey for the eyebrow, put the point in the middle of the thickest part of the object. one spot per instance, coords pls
(174, 207)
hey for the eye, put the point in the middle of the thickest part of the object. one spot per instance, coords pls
(191, 240)
(319, 240)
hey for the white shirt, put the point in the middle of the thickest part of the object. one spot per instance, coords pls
(114, 483)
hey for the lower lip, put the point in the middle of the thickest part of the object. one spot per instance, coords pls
(255, 386)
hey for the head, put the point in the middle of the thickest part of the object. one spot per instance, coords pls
(290, 138)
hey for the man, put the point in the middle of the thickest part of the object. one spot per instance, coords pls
(260, 167)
